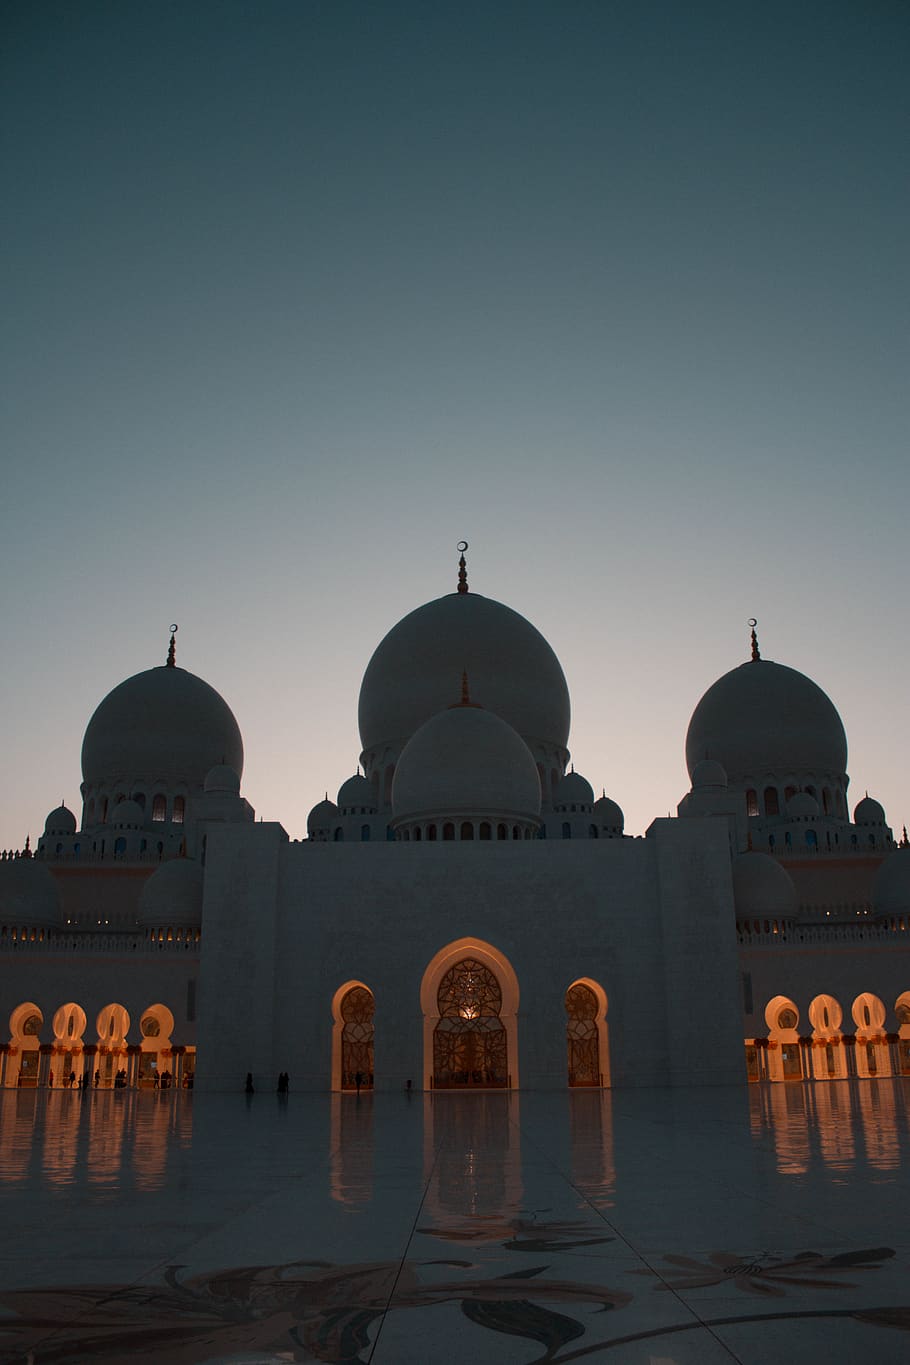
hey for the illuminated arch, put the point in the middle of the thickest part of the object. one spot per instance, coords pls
(871, 1052)
(490, 958)
(784, 1059)
(23, 1057)
(352, 1035)
(587, 1032)
(112, 1024)
(829, 1058)
(156, 1024)
(69, 1024)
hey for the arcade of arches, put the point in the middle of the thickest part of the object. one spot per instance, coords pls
(826, 1051)
(73, 1057)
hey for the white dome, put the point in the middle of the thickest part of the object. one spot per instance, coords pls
(127, 815)
(416, 671)
(172, 896)
(802, 806)
(891, 889)
(466, 761)
(222, 780)
(28, 894)
(573, 790)
(356, 794)
(761, 887)
(323, 814)
(609, 815)
(60, 821)
(764, 718)
(708, 775)
(869, 812)
(163, 725)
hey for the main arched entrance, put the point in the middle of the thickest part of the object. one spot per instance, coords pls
(469, 1041)
(469, 997)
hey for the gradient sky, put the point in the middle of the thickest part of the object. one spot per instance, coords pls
(295, 296)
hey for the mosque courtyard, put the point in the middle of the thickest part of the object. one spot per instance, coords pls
(654, 1226)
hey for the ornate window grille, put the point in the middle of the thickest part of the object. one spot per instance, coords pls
(357, 1010)
(582, 1040)
(469, 1042)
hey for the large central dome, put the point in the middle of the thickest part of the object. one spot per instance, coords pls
(416, 672)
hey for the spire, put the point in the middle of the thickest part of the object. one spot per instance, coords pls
(905, 842)
(755, 654)
(462, 567)
(465, 694)
(172, 649)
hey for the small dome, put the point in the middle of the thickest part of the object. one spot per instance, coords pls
(573, 790)
(222, 780)
(891, 888)
(128, 815)
(323, 814)
(163, 725)
(764, 718)
(761, 887)
(466, 761)
(609, 815)
(28, 894)
(356, 794)
(172, 896)
(869, 812)
(709, 775)
(60, 821)
(414, 671)
(802, 806)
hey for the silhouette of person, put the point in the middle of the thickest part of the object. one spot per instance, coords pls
(249, 1084)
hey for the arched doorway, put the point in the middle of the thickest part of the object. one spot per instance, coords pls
(469, 1040)
(491, 997)
(354, 1009)
(112, 1026)
(24, 1048)
(69, 1053)
(587, 1058)
(784, 1059)
(156, 1058)
(828, 1056)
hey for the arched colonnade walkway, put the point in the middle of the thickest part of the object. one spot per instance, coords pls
(106, 1060)
(826, 1051)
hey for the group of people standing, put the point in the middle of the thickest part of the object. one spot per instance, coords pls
(284, 1083)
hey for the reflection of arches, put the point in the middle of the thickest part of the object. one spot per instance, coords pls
(24, 1052)
(473, 987)
(588, 1057)
(871, 1051)
(353, 1009)
(784, 1061)
(829, 1058)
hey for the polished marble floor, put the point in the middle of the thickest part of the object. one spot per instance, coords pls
(660, 1227)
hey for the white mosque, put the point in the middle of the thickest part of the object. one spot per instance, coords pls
(465, 915)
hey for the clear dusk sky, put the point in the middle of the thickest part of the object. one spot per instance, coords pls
(297, 295)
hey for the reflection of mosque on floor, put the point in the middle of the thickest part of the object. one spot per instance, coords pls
(553, 952)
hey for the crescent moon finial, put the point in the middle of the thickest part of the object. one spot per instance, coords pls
(755, 654)
(172, 649)
(462, 567)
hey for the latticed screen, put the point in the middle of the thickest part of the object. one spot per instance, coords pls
(469, 1043)
(357, 1009)
(581, 1036)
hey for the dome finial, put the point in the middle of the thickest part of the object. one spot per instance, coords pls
(172, 649)
(755, 654)
(462, 567)
(905, 842)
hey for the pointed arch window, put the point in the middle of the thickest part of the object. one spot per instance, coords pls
(357, 1011)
